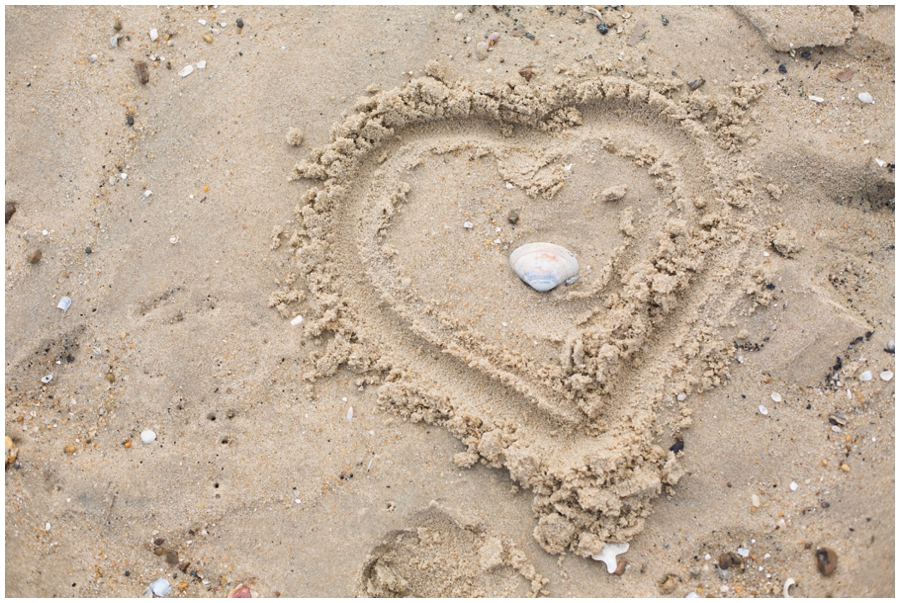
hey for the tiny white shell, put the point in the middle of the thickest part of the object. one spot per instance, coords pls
(865, 97)
(543, 266)
(147, 436)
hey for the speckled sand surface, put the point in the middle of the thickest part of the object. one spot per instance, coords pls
(433, 427)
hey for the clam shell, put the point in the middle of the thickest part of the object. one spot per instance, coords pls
(543, 266)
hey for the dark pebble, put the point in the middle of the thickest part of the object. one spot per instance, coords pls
(527, 73)
(806, 55)
(696, 83)
(34, 256)
(782, 68)
(664, 21)
(10, 210)
(129, 119)
(677, 447)
(127, 573)
(159, 551)
(528, 35)
(826, 561)
(620, 568)
(724, 561)
(603, 28)
(825, 505)
(240, 23)
(88, 250)
(158, 541)
(513, 216)
(172, 558)
(143, 72)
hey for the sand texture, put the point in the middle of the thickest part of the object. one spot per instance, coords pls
(291, 263)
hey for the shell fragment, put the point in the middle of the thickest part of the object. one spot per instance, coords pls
(608, 555)
(186, 71)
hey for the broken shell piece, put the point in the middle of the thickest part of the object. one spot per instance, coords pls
(47, 378)
(866, 376)
(114, 41)
(241, 592)
(837, 419)
(201, 64)
(64, 303)
(543, 266)
(608, 555)
(592, 11)
(865, 97)
(787, 585)
(887, 375)
(11, 451)
(153, 35)
(160, 587)
(186, 71)
(296, 320)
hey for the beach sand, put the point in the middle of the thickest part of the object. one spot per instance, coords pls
(291, 264)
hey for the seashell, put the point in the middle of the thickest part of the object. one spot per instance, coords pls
(11, 451)
(543, 266)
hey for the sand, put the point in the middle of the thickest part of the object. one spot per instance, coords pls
(292, 265)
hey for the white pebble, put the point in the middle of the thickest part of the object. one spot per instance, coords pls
(124, 176)
(865, 97)
(458, 17)
(886, 375)
(763, 410)
(794, 486)
(776, 397)
(866, 376)
(201, 21)
(350, 413)
(148, 193)
(147, 436)
(754, 500)
(468, 225)
(92, 58)
(186, 71)
(45, 233)
(47, 378)
(296, 320)
(173, 240)
(201, 64)
(509, 186)
(161, 587)
(743, 552)
(64, 303)
(114, 41)
(816, 99)
(681, 397)
(153, 35)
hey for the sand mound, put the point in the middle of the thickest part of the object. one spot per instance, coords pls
(440, 556)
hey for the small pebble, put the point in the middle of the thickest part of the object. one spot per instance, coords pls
(207, 38)
(493, 38)
(296, 320)
(186, 71)
(782, 68)
(890, 347)
(88, 250)
(794, 486)
(201, 64)
(527, 73)
(458, 17)
(64, 303)
(153, 35)
(142, 71)
(763, 410)
(481, 51)
(11, 451)
(242, 591)
(114, 41)
(886, 375)
(866, 376)
(865, 97)
(147, 436)
(148, 193)
(743, 552)
(468, 225)
(70, 449)
(754, 499)
(10, 210)
(724, 561)
(664, 21)
(92, 58)
(603, 28)
(34, 256)
(129, 119)
(513, 216)
(826, 561)
(240, 23)
(776, 397)
(117, 25)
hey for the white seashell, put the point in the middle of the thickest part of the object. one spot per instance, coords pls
(865, 97)
(153, 35)
(608, 555)
(147, 436)
(543, 266)
(787, 588)
(186, 71)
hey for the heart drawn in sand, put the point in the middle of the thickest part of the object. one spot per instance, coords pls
(405, 245)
